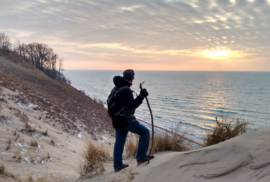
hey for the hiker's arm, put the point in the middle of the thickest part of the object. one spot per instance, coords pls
(132, 103)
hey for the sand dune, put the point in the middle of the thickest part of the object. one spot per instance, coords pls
(244, 158)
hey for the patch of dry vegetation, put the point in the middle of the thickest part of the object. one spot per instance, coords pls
(225, 130)
(131, 145)
(163, 141)
(45, 133)
(33, 143)
(24, 118)
(93, 158)
(129, 176)
(28, 128)
(6, 174)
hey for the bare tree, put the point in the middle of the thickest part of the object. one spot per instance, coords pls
(42, 57)
(60, 63)
(4, 42)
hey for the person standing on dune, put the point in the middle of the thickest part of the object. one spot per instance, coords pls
(121, 109)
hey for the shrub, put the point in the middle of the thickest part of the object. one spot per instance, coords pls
(5, 173)
(2, 169)
(24, 118)
(29, 128)
(33, 143)
(93, 158)
(99, 101)
(131, 145)
(163, 141)
(225, 130)
(45, 133)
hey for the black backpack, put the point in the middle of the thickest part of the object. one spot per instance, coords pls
(114, 106)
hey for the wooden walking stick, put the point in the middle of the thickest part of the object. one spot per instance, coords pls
(152, 122)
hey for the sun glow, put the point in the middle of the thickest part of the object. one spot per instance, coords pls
(217, 54)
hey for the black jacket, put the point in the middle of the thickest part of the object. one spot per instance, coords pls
(128, 103)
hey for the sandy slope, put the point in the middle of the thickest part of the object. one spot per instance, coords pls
(244, 158)
(59, 158)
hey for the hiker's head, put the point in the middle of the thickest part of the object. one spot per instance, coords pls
(129, 75)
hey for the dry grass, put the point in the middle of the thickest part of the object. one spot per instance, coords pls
(8, 145)
(163, 141)
(225, 130)
(6, 174)
(93, 158)
(129, 176)
(17, 137)
(33, 143)
(52, 142)
(24, 118)
(2, 169)
(29, 128)
(45, 133)
(30, 179)
(131, 145)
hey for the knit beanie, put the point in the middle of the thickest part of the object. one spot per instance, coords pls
(129, 74)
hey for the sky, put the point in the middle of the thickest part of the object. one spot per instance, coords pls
(177, 35)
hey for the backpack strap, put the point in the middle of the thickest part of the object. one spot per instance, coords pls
(116, 92)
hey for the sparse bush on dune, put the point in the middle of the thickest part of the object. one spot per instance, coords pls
(225, 130)
(163, 141)
(131, 145)
(99, 101)
(33, 143)
(2, 169)
(5, 174)
(93, 158)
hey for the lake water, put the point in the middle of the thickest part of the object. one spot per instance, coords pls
(190, 101)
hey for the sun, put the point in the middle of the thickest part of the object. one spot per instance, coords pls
(217, 54)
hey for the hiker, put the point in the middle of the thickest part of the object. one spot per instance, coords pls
(122, 110)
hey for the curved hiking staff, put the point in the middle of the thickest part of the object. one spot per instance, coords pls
(152, 122)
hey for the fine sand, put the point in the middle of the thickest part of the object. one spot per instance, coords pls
(241, 159)
(56, 153)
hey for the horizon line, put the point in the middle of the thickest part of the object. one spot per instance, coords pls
(162, 70)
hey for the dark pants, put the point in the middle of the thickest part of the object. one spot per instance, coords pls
(120, 140)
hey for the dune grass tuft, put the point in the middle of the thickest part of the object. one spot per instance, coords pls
(131, 145)
(93, 158)
(6, 174)
(163, 141)
(33, 143)
(225, 130)
(2, 169)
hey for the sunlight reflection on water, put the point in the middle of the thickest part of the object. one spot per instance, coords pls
(190, 99)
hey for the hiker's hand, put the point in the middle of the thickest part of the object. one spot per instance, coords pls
(144, 92)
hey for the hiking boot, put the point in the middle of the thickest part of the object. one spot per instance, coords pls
(120, 168)
(140, 161)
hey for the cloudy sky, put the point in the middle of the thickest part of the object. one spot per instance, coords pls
(206, 35)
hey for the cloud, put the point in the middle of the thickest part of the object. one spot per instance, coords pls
(141, 26)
